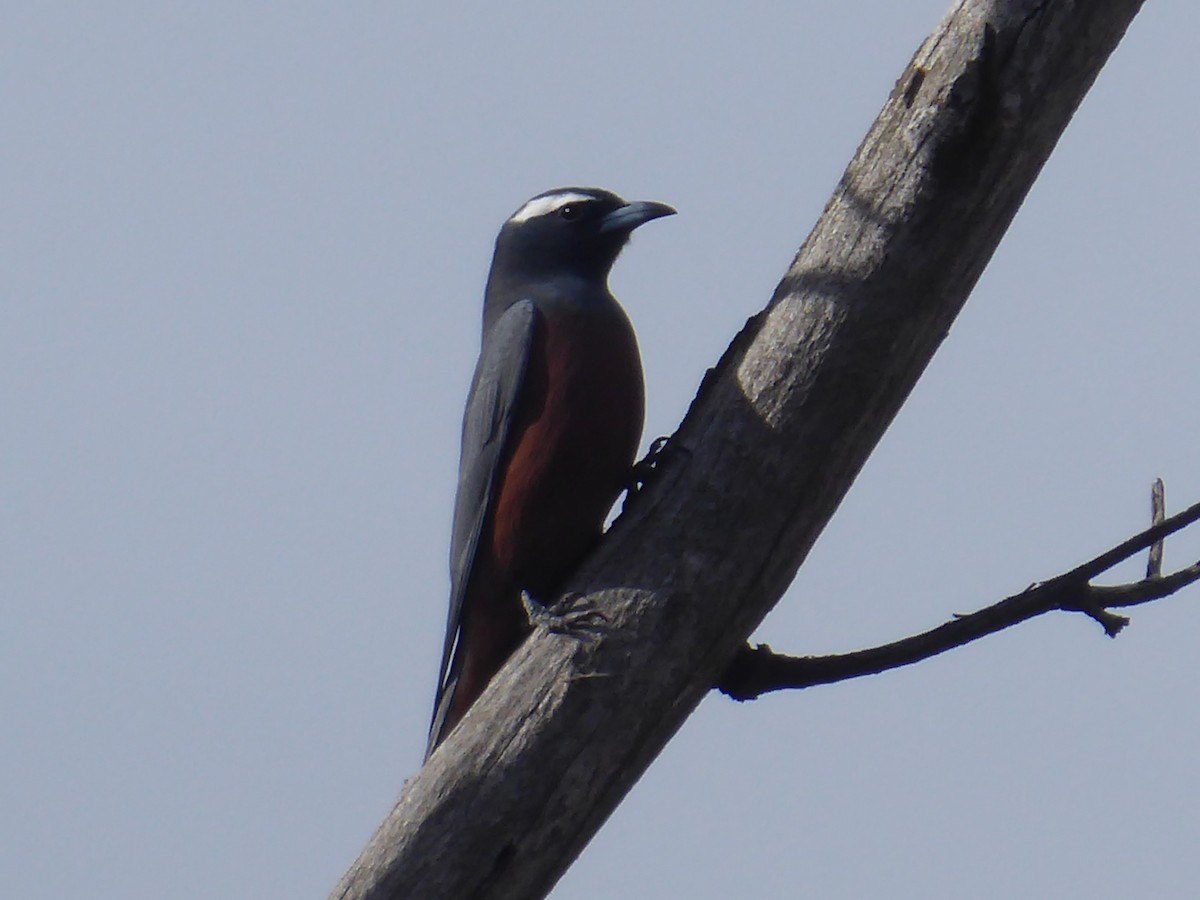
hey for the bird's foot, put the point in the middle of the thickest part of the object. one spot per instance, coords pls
(648, 468)
(644, 470)
(573, 614)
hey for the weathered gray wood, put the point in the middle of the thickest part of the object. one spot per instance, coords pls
(772, 443)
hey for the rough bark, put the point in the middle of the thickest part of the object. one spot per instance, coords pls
(775, 437)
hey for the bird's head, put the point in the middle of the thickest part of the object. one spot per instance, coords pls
(573, 231)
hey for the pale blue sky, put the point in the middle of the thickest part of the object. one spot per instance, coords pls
(244, 246)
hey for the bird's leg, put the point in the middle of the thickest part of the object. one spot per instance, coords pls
(644, 470)
(648, 468)
(573, 615)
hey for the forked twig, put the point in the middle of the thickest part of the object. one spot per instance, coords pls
(759, 670)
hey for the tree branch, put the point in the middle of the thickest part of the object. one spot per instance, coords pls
(774, 439)
(759, 670)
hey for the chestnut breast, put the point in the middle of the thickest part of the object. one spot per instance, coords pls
(572, 444)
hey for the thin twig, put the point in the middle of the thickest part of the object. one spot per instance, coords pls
(1141, 541)
(759, 670)
(1158, 512)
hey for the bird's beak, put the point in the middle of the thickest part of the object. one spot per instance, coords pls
(631, 215)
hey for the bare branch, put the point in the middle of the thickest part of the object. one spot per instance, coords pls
(1145, 591)
(1126, 549)
(759, 670)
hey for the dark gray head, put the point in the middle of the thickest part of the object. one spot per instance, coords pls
(573, 231)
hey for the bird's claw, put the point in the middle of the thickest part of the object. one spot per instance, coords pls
(645, 470)
(572, 615)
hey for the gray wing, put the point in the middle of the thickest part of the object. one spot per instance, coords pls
(491, 404)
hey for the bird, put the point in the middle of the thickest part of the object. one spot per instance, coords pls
(552, 425)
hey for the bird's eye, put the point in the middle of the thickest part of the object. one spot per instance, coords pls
(571, 211)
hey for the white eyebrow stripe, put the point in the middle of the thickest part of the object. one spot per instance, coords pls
(540, 206)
